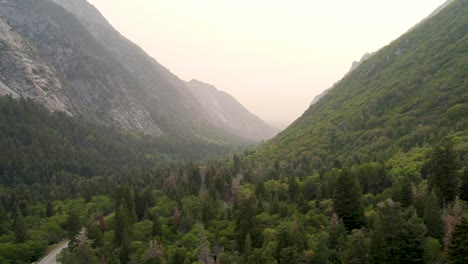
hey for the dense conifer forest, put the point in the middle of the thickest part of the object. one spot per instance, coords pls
(375, 172)
(116, 205)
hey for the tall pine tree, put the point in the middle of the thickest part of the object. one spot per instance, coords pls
(412, 239)
(73, 224)
(458, 247)
(433, 218)
(347, 201)
(464, 185)
(245, 217)
(20, 227)
(357, 248)
(443, 171)
(121, 225)
(49, 209)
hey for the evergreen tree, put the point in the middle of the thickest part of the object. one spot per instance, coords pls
(209, 209)
(406, 192)
(3, 218)
(412, 241)
(23, 206)
(385, 238)
(293, 188)
(274, 204)
(357, 248)
(102, 222)
(433, 217)
(82, 253)
(140, 206)
(121, 225)
(236, 167)
(347, 201)
(321, 250)
(94, 233)
(195, 179)
(49, 209)
(179, 255)
(247, 248)
(125, 253)
(125, 196)
(336, 239)
(378, 250)
(464, 185)
(245, 217)
(156, 229)
(73, 224)
(458, 247)
(433, 251)
(443, 171)
(293, 244)
(20, 230)
(204, 254)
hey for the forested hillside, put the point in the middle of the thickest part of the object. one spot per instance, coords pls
(374, 172)
(411, 93)
(53, 151)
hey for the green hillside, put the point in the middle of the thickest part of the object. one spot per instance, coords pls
(43, 154)
(375, 172)
(411, 93)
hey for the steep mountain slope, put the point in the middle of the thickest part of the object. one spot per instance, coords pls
(413, 91)
(37, 144)
(354, 66)
(92, 81)
(228, 114)
(22, 67)
(161, 84)
(165, 93)
(71, 59)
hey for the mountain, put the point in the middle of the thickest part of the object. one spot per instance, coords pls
(367, 55)
(440, 8)
(67, 56)
(363, 59)
(354, 65)
(410, 93)
(228, 114)
(361, 177)
(59, 59)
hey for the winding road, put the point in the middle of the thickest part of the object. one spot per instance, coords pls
(51, 257)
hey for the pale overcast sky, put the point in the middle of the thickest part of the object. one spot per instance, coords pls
(273, 56)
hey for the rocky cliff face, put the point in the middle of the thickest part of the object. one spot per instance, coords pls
(164, 92)
(58, 61)
(66, 55)
(363, 59)
(24, 73)
(228, 114)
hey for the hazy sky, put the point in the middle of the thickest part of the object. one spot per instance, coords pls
(273, 56)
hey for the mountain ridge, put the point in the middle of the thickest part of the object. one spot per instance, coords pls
(104, 76)
(225, 111)
(399, 98)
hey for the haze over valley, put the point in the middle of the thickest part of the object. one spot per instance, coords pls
(233, 132)
(284, 53)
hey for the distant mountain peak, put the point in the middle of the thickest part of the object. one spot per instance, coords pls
(228, 114)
